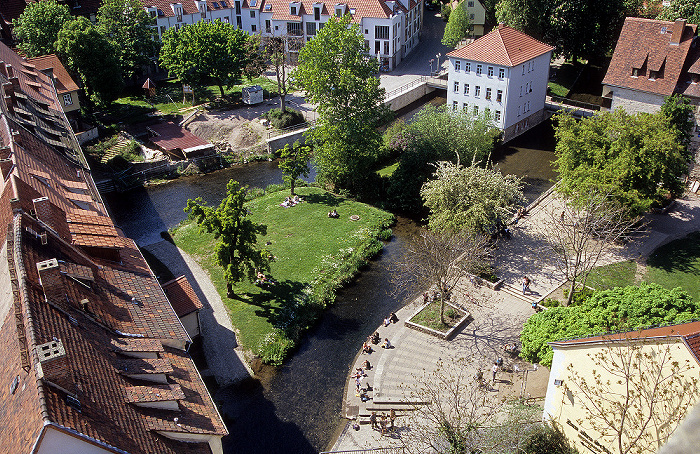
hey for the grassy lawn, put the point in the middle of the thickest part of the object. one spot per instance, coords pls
(388, 170)
(676, 264)
(430, 317)
(564, 79)
(314, 256)
(133, 106)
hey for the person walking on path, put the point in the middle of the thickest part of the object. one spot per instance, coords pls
(382, 423)
(373, 420)
(392, 418)
(494, 371)
(526, 284)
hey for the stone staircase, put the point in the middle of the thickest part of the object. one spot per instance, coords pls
(517, 292)
(116, 149)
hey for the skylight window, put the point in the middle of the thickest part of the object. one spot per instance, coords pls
(268, 7)
(253, 3)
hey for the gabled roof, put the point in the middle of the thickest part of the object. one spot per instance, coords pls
(648, 45)
(502, 46)
(169, 137)
(689, 332)
(182, 296)
(62, 80)
(358, 9)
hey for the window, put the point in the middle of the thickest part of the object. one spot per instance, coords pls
(268, 29)
(381, 32)
(386, 47)
(466, 89)
(518, 110)
(521, 91)
(162, 30)
(478, 70)
(178, 14)
(635, 72)
(497, 115)
(294, 28)
(339, 12)
(471, 16)
(464, 106)
(501, 73)
(224, 5)
(467, 67)
(238, 7)
(477, 91)
(458, 65)
(523, 70)
(454, 105)
(653, 75)
(528, 106)
(317, 13)
(488, 93)
(67, 99)
(293, 10)
(311, 28)
(253, 28)
(499, 96)
(252, 14)
(152, 13)
(476, 110)
(470, 4)
(456, 87)
(377, 47)
(489, 72)
(487, 111)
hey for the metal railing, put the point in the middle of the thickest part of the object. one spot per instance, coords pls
(392, 450)
(278, 132)
(574, 103)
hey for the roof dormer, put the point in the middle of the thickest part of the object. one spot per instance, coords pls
(340, 9)
(294, 8)
(201, 7)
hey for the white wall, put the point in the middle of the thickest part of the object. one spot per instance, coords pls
(532, 74)
(58, 442)
(483, 81)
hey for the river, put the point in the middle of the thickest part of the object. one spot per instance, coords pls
(296, 408)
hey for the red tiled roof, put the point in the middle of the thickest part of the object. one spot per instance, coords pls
(182, 296)
(503, 46)
(362, 8)
(645, 45)
(169, 137)
(62, 80)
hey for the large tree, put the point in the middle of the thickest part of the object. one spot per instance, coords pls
(437, 134)
(457, 27)
(636, 393)
(341, 79)
(276, 50)
(294, 162)
(679, 112)
(472, 199)
(236, 251)
(635, 158)
(37, 27)
(89, 55)
(127, 25)
(618, 309)
(440, 260)
(687, 9)
(215, 50)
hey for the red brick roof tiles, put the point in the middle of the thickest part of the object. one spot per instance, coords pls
(153, 393)
(503, 46)
(170, 136)
(62, 80)
(649, 40)
(143, 366)
(182, 296)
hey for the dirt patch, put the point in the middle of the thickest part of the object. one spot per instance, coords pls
(227, 131)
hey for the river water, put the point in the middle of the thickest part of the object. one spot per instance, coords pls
(296, 408)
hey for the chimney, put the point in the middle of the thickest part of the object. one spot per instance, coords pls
(678, 28)
(53, 365)
(51, 280)
(16, 138)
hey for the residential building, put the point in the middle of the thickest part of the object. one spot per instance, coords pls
(504, 73)
(94, 356)
(591, 360)
(12, 9)
(391, 28)
(66, 88)
(654, 59)
(185, 303)
(476, 11)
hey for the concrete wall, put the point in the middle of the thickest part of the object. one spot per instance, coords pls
(633, 101)
(191, 324)
(54, 441)
(405, 98)
(278, 142)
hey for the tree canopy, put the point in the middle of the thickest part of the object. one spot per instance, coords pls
(127, 26)
(635, 158)
(472, 199)
(679, 112)
(437, 134)
(215, 50)
(89, 55)
(618, 309)
(37, 27)
(577, 28)
(235, 250)
(294, 162)
(337, 74)
(457, 27)
(687, 9)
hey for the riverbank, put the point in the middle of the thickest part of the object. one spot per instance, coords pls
(314, 256)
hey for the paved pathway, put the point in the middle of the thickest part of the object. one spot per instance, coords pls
(224, 356)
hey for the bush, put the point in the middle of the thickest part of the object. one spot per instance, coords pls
(445, 12)
(548, 439)
(550, 302)
(274, 347)
(284, 120)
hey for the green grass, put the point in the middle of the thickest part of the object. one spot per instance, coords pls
(557, 89)
(564, 79)
(388, 170)
(314, 256)
(134, 107)
(618, 274)
(430, 317)
(676, 264)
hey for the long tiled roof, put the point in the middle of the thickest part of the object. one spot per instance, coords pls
(651, 45)
(503, 46)
(169, 136)
(182, 296)
(63, 81)
(84, 305)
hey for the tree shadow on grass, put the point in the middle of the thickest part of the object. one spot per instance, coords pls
(278, 303)
(681, 255)
(324, 199)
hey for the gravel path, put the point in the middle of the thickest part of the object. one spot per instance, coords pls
(218, 335)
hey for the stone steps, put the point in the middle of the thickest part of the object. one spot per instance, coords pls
(518, 293)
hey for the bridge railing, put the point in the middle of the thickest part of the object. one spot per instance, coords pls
(392, 450)
(574, 103)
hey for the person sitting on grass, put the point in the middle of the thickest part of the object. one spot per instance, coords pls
(333, 214)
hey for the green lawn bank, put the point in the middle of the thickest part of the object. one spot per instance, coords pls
(314, 255)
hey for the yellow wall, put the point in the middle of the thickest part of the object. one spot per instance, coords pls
(564, 404)
(72, 107)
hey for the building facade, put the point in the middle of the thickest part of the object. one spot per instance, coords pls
(391, 28)
(504, 74)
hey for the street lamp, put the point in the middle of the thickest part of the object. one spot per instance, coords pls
(431, 65)
(437, 68)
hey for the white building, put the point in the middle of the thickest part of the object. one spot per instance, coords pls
(391, 28)
(504, 73)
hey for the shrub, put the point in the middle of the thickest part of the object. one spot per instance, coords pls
(445, 12)
(284, 120)
(274, 347)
